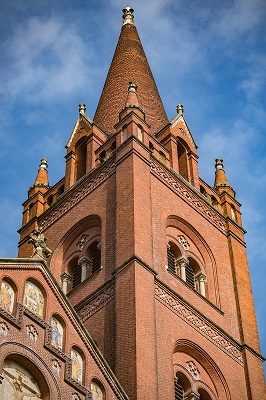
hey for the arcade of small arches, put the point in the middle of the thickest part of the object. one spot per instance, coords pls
(17, 380)
(79, 253)
(186, 268)
(196, 375)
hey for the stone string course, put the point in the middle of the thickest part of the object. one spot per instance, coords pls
(77, 196)
(188, 195)
(96, 303)
(198, 322)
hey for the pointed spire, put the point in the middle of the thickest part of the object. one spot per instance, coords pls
(221, 183)
(129, 64)
(132, 97)
(42, 175)
(220, 177)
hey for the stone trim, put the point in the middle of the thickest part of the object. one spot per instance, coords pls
(198, 322)
(188, 195)
(76, 196)
(98, 301)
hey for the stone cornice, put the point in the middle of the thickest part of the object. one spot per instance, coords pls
(96, 302)
(188, 195)
(75, 196)
(198, 322)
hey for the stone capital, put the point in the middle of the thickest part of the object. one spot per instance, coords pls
(192, 395)
(84, 262)
(65, 277)
(182, 262)
(201, 277)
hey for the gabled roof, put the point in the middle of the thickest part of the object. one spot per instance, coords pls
(81, 117)
(129, 64)
(180, 119)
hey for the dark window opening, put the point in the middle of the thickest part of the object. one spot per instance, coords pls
(179, 391)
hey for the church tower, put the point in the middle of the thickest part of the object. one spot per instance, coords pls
(136, 263)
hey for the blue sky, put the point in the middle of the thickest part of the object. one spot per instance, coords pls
(207, 55)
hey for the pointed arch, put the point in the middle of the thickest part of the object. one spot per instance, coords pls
(81, 156)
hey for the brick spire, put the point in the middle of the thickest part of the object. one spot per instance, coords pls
(129, 64)
(221, 183)
(42, 175)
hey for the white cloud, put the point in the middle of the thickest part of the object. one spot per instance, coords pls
(240, 17)
(47, 58)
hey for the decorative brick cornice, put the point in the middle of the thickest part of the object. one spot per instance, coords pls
(188, 195)
(198, 322)
(14, 320)
(76, 196)
(95, 303)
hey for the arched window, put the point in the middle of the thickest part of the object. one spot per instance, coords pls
(124, 133)
(140, 133)
(94, 253)
(97, 390)
(7, 296)
(81, 155)
(31, 211)
(77, 365)
(33, 299)
(172, 255)
(204, 395)
(57, 333)
(75, 272)
(179, 391)
(190, 277)
(18, 383)
(182, 160)
(103, 156)
(233, 213)
(214, 201)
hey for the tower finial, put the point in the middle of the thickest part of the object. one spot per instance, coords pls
(221, 183)
(179, 109)
(128, 16)
(42, 175)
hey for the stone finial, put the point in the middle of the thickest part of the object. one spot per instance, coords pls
(44, 164)
(179, 109)
(82, 108)
(128, 16)
(219, 163)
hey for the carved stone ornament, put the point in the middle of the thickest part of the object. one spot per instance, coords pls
(56, 366)
(191, 367)
(32, 333)
(3, 329)
(198, 322)
(183, 241)
(38, 240)
(188, 195)
(82, 241)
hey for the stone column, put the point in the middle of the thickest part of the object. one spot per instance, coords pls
(192, 395)
(181, 263)
(202, 279)
(65, 279)
(84, 263)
